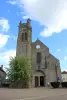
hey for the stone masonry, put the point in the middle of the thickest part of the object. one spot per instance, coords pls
(48, 69)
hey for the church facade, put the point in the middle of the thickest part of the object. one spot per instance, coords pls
(45, 67)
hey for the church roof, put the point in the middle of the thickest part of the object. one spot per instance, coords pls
(54, 57)
(2, 70)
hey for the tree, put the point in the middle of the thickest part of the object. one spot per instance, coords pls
(19, 69)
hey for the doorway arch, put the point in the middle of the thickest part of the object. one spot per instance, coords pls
(39, 78)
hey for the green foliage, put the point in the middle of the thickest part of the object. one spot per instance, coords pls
(29, 30)
(19, 69)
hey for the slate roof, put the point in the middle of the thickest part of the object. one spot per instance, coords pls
(2, 70)
(64, 72)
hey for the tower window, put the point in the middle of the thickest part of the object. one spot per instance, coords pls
(25, 35)
(38, 57)
(22, 36)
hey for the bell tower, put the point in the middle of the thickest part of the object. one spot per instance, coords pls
(24, 39)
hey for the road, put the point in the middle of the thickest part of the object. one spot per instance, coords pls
(33, 94)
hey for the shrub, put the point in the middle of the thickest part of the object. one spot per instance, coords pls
(5, 85)
(64, 84)
(55, 84)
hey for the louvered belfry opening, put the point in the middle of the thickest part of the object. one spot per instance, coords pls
(24, 36)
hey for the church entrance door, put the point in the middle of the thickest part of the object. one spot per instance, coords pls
(41, 80)
(36, 81)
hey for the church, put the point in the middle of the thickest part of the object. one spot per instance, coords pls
(45, 67)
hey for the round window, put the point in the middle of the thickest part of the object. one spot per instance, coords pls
(37, 46)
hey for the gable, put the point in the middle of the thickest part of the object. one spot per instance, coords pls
(38, 42)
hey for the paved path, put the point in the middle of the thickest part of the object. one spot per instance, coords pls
(33, 94)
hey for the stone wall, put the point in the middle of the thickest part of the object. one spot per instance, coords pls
(50, 71)
(27, 48)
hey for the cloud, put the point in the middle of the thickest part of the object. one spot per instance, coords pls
(63, 65)
(50, 13)
(58, 50)
(12, 2)
(5, 56)
(15, 37)
(8, 54)
(4, 25)
(65, 58)
(3, 39)
(25, 17)
(66, 70)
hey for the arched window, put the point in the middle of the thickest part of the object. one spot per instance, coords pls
(38, 57)
(25, 35)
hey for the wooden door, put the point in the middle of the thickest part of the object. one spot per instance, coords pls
(36, 81)
(41, 80)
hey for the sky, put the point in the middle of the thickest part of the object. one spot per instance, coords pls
(49, 24)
